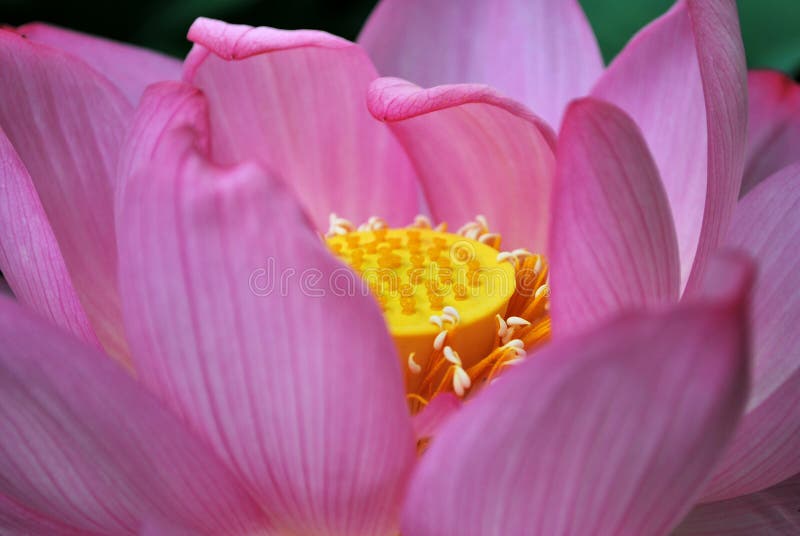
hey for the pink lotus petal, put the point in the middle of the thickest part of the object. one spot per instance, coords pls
(428, 421)
(773, 132)
(540, 52)
(66, 124)
(16, 520)
(476, 152)
(692, 109)
(764, 450)
(611, 432)
(297, 386)
(612, 242)
(294, 101)
(128, 67)
(29, 255)
(772, 512)
(85, 445)
(163, 106)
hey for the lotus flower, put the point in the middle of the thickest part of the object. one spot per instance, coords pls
(135, 234)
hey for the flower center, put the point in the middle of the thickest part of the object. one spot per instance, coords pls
(458, 309)
(424, 279)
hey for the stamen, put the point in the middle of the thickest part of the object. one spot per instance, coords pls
(517, 321)
(502, 326)
(452, 356)
(452, 313)
(444, 313)
(488, 238)
(544, 290)
(412, 365)
(461, 381)
(438, 342)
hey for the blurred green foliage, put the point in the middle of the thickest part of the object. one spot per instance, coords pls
(769, 27)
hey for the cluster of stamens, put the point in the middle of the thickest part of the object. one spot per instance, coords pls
(453, 324)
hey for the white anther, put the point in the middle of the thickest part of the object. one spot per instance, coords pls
(516, 346)
(505, 255)
(509, 335)
(480, 218)
(502, 327)
(473, 233)
(339, 226)
(442, 227)
(521, 253)
(517, 321)
(438, 342)
(452, 356)
(537, 268)
(374, 222)
(412, 365)
(436, 320)
(466, 227)
(423, 222)
(450, 319)
(544, 290)
(515, 361)
(486, 238)
(452, 312)
(461, 381)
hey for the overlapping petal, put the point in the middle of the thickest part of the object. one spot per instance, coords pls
(764, 451)
(86, 450)
(773, 130)
(30, 258)
(683, 81)
(611, 432)
(540, 52)
(476, 152)
(163, 106)
(229, 305)
(772, 512)
(66, 123)
(613, 244)
(432, 416)
(130, 68)
(294, 101)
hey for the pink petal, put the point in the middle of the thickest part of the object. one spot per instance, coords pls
(611, 432)
(163, 106)
(428, 421)
(29, 255)
(764, 450)
(692, 109)
(773, 132)
(16, 520)
(297, 386)
(540, 52)
(773, 512)
(128, 67)
(476, 152)
(294, 101)
(84, 445)
(613, 244)
(66, 124)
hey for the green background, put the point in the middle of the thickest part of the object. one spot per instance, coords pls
(770, 27)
